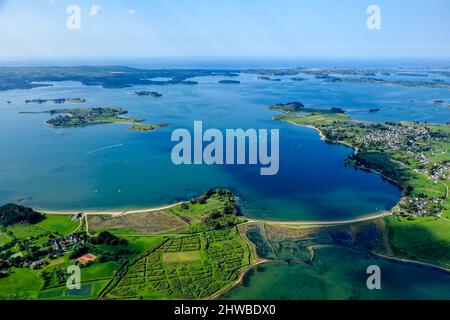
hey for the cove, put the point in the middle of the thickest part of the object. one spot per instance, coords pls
(108, 167)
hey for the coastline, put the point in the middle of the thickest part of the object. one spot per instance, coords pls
(221, 292)
(355, 150)
(409, 261)
(319, 222)
(115, 213)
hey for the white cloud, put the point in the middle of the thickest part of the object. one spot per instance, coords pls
(132, 12)
(95, 10)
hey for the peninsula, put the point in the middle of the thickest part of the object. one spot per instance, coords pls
(415, 156)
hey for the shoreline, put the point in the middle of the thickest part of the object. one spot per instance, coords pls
(355, 151)
(115, 213)
(409, 261)
(221, 292)
(120, 213)
(319, 222)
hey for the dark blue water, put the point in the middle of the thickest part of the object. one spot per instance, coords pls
(339, 273)
(106, 166)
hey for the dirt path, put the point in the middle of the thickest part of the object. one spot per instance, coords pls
(113, 213)
(238, 281)
(315, 223)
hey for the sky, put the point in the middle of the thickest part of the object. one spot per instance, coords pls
(224, 28)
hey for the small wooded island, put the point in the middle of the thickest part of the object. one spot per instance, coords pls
(288, 107)
(67, 118)
(147, 127)
(153, 94)
(413, 155)
(229, 82)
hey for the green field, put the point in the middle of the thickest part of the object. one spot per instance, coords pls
(99, 271)
(4, 238)
(170, 271)
(197, 249)
(146, 127)
(88, 290)
(62, 224)
(144, 243)
(181, 257)
(416, 156)
(423, 239)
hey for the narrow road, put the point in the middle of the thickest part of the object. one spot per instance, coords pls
(114, 213)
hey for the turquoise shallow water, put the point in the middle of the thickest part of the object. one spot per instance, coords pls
(339, 273)
(106, 166)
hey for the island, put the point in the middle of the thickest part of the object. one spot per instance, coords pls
(68, 118)
(439, 101)
(195, 249)
(416, 157)
(111, 77)
(229, 82)
(153, 94)
(424, 84)
(288, 107)
(189, 250)
(275, 72)
(57, 101)
(147, 127)
(410, 74)
(268, 78)
(337, 110)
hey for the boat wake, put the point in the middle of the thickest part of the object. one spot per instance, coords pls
(105, 148)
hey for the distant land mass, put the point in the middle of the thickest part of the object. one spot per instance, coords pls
(57, 101)
(148, 93)
(229, 82)
(68, 118)
(288, 107)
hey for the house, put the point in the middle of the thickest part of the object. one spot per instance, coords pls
(86, 258)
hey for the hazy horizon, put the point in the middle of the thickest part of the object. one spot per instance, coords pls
(231, 62)
(165, 28)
